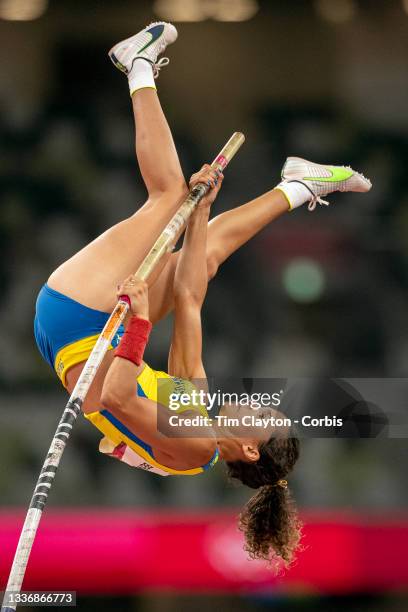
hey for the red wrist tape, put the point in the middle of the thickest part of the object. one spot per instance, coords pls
(134, 340)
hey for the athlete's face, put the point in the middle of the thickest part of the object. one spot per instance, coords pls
(244, 429)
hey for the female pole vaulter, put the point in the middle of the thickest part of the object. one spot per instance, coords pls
(75, 303)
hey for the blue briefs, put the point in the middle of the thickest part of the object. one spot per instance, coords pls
(60, 323)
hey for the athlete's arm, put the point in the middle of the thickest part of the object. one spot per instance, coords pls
(190, 285)
(119, 392)
(147, 419)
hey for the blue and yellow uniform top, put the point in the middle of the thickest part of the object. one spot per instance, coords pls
(66, 332)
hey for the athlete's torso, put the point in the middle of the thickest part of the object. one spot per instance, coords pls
(121, 443)
(66, 332)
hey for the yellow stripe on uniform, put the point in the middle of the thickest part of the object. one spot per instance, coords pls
(153, 384)
(72, 354)
(111, 432)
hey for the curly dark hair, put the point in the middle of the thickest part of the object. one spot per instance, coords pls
(269, 520)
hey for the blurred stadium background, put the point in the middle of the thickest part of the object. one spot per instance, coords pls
(324, 79)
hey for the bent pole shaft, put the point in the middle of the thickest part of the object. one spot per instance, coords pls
(163, 244)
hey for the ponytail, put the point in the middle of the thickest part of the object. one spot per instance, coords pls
(269, 519)
(270, 524)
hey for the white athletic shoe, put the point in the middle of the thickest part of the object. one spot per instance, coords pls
(147, 44)
(321, 180)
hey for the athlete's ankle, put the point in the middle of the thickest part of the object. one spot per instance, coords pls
(141, 76)
(295, 192)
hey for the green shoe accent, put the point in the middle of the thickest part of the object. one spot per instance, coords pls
(338, 174)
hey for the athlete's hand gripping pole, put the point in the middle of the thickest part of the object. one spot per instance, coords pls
(164, 243)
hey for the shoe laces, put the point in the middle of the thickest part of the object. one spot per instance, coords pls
(317, 200)
(157, 66)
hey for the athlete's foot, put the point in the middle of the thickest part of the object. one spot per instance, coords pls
(147, 45)
(305, 181)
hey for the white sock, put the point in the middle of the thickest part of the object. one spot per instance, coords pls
(141, 76)
(295, 192)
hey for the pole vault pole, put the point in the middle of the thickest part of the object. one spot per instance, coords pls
(163, 244)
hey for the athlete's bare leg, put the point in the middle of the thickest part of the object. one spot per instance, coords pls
(229, 231)
(91, 276)
(226, 233)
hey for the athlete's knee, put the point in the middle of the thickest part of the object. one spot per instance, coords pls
(169, 199)
(170, 186)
